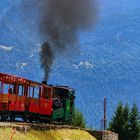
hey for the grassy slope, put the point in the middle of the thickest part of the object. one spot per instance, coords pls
(64, 134)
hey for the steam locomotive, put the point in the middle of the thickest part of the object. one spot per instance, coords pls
(33, 101)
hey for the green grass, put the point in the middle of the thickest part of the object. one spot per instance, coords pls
(64, 134)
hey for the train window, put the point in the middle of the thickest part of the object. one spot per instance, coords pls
(47, 93)
(36, 92)
(62, 93)
(45, 90)
(28, 92)
(8, 89)
(31, 92)
(47, 96)
(20, 90)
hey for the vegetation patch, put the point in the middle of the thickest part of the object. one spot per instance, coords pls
(63, 134)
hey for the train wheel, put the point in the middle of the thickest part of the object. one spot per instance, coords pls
(12, 118)
(24, 119)
(3, 118)
(30, 120)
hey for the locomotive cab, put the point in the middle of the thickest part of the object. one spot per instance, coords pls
(67, 96)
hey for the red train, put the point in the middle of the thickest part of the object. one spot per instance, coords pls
(33, 101)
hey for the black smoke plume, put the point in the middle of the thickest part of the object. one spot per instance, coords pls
(47, 60)
(59, 21)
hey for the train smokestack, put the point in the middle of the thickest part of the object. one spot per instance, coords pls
(44, 82)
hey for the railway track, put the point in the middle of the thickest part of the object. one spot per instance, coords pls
(21, 126)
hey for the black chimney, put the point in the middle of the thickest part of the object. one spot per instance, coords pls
(44, 82)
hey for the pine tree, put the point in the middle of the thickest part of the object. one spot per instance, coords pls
(134, 123)
(126, 112)
(117, 122)
(126, 123)
(78, 119)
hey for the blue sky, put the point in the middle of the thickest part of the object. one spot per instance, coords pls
(107, 62)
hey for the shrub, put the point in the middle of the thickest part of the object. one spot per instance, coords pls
(78, 119)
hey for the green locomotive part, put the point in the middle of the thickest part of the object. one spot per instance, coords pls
(66, 109)
(67, 113)
(57, 114)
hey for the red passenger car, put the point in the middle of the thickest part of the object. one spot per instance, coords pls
(22, 97)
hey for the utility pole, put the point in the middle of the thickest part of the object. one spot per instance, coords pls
(105, 107)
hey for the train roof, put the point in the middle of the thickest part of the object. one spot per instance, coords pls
(10, 79)
(7, 78)
(64, 87)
